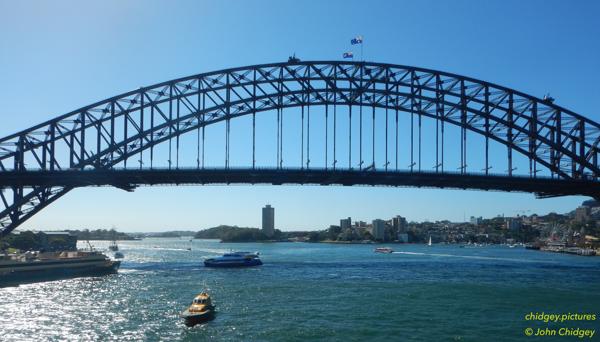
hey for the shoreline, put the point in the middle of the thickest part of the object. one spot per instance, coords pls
(461, 244)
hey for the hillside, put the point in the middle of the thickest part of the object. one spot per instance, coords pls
(235, 234)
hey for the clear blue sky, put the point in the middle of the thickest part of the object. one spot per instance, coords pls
(56, 56)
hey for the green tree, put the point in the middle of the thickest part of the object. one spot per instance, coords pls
(314, 237)
(25, 241)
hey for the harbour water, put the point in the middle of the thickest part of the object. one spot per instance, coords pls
(306, 291)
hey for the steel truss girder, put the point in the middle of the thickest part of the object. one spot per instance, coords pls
(109, 132)
(131, 178)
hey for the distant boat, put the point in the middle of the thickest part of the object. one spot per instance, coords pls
(429, 243)
(113, 246)
(383, 250)
(119, 255)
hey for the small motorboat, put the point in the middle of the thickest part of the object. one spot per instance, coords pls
(234, 259)
(113, 246)
(383, 250)
(119, 255)
(201, 310)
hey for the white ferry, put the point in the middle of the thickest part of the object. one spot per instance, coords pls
(35, 266)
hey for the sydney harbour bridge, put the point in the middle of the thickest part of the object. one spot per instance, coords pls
(316, 122)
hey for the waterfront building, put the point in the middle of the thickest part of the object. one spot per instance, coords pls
(52, 241)
(346, 223)
(513, 223)
(378, 230)
(531, 220)
(399, 224)
(476, 220)
(360, 224)
(403, 237)
(58, 241)
(268, 220)
(582, 214)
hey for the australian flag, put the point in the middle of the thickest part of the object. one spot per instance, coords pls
(357, 40)
(348, 55)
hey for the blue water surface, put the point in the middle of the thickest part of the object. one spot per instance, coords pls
(304, 291)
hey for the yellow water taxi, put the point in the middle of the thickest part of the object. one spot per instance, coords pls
(201, 310)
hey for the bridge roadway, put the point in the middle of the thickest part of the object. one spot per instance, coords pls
(129, 179)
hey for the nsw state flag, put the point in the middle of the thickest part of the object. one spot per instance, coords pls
(357, 40)
(348, 55)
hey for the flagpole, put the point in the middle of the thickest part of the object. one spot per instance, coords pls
(361, 49)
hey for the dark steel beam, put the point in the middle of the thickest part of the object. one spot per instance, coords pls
(128, 178)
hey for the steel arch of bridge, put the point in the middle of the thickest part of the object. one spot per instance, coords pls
(103, 136)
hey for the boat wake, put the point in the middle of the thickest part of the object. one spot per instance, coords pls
(471, 257)
(166, 249)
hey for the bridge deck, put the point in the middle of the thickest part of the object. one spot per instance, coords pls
(129, 179)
